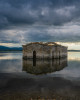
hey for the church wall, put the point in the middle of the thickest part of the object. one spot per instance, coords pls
(44, 51)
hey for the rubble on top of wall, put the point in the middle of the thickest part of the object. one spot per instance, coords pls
(43, 43)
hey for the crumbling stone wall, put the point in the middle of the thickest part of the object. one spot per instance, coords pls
(44, 51)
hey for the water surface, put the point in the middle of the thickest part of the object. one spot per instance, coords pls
(57, 79)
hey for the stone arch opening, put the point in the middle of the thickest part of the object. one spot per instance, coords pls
(34, 54)
(34, 58)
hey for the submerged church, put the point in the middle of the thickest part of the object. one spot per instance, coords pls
(41, 50)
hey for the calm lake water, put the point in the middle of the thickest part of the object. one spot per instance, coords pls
(57, 79)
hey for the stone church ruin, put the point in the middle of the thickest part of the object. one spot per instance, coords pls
(41, 50)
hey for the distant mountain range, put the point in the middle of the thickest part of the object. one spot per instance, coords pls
(4, 48)
(73, 50)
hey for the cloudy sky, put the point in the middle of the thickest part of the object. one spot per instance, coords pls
(23, 21)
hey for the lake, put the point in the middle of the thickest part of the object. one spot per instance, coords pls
(57, 79)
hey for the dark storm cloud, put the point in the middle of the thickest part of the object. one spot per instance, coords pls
(50, 12)
(39, 20)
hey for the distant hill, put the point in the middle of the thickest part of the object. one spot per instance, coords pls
(4, 48)
(73, 50)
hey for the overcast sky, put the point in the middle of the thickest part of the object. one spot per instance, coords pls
(24, 21)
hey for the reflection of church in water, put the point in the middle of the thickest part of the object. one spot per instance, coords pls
(43, 66)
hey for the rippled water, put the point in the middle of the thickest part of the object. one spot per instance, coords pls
(57, 79)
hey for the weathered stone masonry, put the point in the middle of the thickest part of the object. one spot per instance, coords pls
(41, 50)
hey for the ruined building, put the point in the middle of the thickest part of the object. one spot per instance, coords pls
(41, 50)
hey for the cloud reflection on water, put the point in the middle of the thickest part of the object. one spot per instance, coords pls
(12, 63)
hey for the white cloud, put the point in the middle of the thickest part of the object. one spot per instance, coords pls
(66, 11)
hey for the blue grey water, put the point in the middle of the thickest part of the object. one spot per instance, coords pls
(25, 80)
